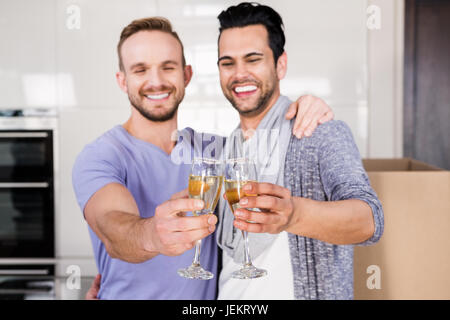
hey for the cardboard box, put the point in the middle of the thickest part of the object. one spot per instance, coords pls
(413, 255)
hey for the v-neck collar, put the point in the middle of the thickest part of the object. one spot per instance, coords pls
(146, 143)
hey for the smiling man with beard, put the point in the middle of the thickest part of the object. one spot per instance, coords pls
(315, 206)
(159, 99)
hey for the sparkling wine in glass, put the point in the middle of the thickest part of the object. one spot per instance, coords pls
(205, 183)
(238, 172)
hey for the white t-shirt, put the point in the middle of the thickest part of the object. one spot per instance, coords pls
(278, 284)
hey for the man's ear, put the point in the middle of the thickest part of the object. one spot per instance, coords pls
(187, 75)
(282, 66)
(122, 81)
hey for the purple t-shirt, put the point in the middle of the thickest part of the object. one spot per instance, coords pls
(152, 178)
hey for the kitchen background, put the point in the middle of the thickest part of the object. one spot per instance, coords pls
(59, 56)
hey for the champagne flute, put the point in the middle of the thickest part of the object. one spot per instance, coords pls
(205, 183)
(238, 172)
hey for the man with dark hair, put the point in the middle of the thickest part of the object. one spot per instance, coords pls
(132, 194)
(316, 206)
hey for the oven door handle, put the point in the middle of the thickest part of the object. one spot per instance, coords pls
(23, 272)
(23, 134)
(4, 185)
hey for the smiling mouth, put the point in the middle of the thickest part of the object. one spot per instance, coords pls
(244, 90)
(157, 97)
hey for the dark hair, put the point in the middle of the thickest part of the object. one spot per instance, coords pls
(147, 24)
(252, 13)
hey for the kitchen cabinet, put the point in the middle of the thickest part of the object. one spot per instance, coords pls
(28, 54)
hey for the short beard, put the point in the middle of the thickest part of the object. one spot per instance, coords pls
(146, 114)
(261, 104)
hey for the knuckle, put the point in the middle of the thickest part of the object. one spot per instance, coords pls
(274, 220)
(273, 188)
(252, 201)
(248, 216)
(203, 222)
(170, 205)
(250, 227)
(189, 203)
(205, 232)
(291, 205)
(200, 234)
(267, 187)
(246, 227)
(271, 202)
(206, 218)
(186, 238)
(190, 245)
(302, 125)
(313, 125)
(177, 250)
(261, 218)
(165, 241)
(179, 224)
(259, 228)
(286, 193)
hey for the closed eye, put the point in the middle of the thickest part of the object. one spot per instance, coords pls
(226, 64)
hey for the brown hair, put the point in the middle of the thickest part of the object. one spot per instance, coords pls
(147, 24)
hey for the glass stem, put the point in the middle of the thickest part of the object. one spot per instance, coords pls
(196, 261)
(247, 260)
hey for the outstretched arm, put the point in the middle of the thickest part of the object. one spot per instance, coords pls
(337, 222)
(113, 215)
(353, 214)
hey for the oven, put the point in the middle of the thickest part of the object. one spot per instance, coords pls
(27, 188)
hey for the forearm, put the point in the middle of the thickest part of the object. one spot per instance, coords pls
(337, 222)
(123, 235)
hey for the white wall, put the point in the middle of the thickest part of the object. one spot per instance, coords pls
(331, 53)
(385, 81)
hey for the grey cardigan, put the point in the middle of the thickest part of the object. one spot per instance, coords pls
(327, 166)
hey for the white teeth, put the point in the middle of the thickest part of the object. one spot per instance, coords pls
(245, 89)
(157, 96)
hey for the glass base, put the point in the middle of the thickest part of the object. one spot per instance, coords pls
(195, 272)
(249, 272)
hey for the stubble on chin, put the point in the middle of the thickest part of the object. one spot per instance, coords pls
(258, 107)
(162, 117)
